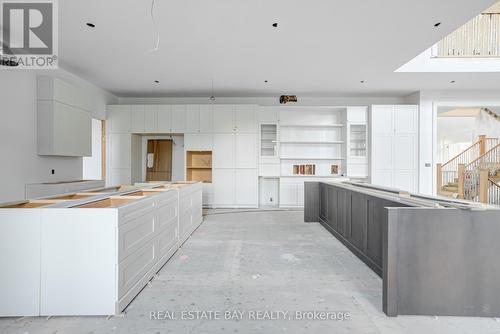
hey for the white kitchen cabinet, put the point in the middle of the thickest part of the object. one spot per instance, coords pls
(223, 118)
(206, 118)
(178, 118)
(137, 119)
(246, 187)
(223, 185)
(164, 119)
(118, 118)
(151, 119)
(223, 151)
(63, 130)
(394, 146)
(245, 119)
(357, 142)
(288, 194)
(192, 118)
(120, 150)
(246, 151)
(198, 142)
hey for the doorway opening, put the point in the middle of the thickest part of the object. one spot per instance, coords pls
(159, 160)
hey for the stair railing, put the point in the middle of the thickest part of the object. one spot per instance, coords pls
(493, 195)
(490, 157)
(448, 172)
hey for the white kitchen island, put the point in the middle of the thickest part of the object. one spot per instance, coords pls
(91, 253)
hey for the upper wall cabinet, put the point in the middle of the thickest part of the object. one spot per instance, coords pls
(137, 119)
(235, 118)
(151, 118)
(164, 119)
(223, 118)
(64, 121)
(199, 119)
(118, 118)
(178, 119)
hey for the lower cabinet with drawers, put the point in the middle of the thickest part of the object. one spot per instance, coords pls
(97, 253)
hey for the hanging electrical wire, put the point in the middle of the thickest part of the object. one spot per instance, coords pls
(157, 45)
(212, 98)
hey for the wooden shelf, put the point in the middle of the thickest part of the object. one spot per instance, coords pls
(199, 166)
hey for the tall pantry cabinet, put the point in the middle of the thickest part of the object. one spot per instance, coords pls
(394, 146)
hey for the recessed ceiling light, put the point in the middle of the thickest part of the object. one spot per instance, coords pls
(452, 81)
(89, 24)
(157, 81)
(437, 24)
(362, 81)
(265, 81)
(275, 24)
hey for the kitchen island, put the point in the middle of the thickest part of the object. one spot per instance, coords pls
(91, 253)
(437, 256)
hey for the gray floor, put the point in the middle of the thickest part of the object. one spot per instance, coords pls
(268, 261)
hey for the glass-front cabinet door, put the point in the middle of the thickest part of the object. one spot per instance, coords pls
(357, 145)
(268, 140)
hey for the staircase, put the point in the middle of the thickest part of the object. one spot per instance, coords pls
(474, 174)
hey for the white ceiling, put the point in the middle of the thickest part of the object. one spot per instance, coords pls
(320, 48)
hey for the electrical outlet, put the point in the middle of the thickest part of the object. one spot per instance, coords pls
(270, 199)
(53, 171)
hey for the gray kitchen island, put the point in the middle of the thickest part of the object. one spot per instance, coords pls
(436, 256)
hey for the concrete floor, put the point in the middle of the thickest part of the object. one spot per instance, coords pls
(256, 262)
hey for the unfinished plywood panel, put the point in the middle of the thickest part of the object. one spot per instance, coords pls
(199, 166)
(159, 160)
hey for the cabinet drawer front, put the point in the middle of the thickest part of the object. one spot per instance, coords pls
(167, 216)
(166, 198)
(167, 240)
(138, 209)
(135, 234)
(134, 267)
(185, 205)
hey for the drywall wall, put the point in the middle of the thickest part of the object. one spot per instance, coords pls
(20, 162)
(92, 167)
(270, 101)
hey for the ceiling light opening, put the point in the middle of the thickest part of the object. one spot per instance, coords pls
(89, 24)
(437, 24)
(275, 24)
(157, 81)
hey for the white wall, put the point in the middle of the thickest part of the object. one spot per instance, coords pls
(18, 147)
(269, 101)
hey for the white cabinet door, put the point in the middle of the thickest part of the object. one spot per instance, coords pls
(405, 119)
(192, 119)
(245, 119)
(164, 119)
(206, 119)
(382, 121)
(118, 118)
(137, 119)
(223, 186)
(197, 142)
(223, 151)
(120, 150)
(178, 118)
(246, 187)
(223, 118)
(246, 151)
(151, 119)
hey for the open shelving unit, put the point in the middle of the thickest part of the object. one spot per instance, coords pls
(312, 136)
(199, 166)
